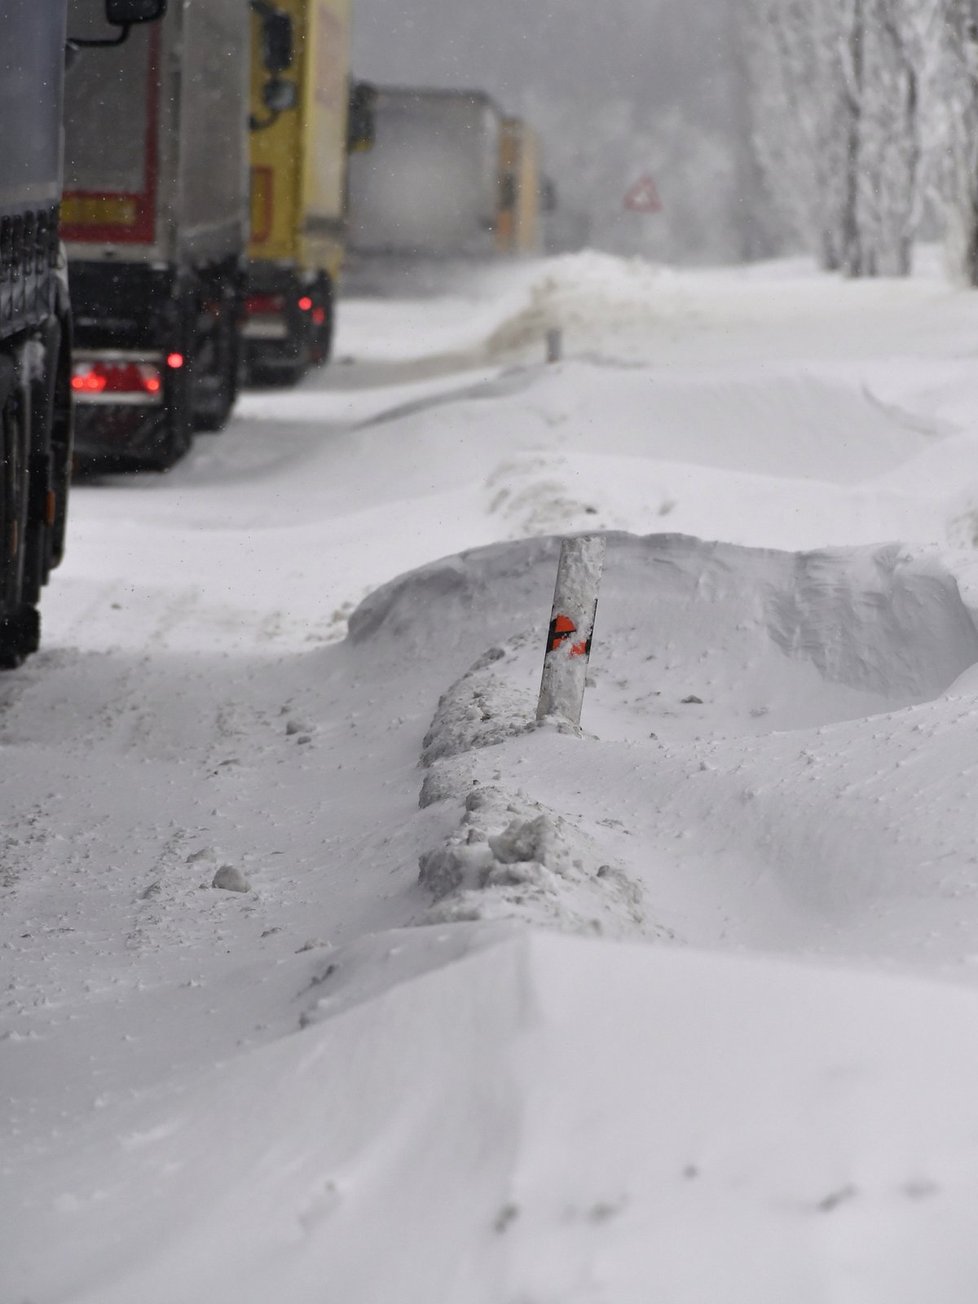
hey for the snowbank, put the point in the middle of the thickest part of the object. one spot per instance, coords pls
(546, 1119)
(385, 1069)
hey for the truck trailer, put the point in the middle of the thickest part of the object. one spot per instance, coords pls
(298, 192)
(35, 312)
(155, 218)
(430, 187)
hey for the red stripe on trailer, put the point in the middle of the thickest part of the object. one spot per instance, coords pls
(143, 229)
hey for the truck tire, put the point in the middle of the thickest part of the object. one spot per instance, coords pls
(324, 303)
(19, 624)
(218, 368)
(175, 435)
(172, 439)
(20, 636)
(61, 443)
(48, 405)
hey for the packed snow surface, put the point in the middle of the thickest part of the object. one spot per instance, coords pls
(328, 975)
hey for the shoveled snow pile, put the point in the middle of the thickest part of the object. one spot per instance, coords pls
(327, 974)
(753, 706)
(762, 640)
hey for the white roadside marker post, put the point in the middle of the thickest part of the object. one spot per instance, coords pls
(555, 344)
(571, 626)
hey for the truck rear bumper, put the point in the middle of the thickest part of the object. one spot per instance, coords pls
(115, 435)
(120, 403)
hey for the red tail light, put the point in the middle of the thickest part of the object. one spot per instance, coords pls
(87, 380)
(319, 316)
(305, 303)
(131, 378)
(264, 305)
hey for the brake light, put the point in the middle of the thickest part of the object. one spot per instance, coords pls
(87, 380)
(263, 305)
(116, 378)
(319, 316)
(174, 361)
(305, 303)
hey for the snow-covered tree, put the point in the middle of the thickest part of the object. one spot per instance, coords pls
(959, 134)
(838, 121)
(888, 148)
(799, 119)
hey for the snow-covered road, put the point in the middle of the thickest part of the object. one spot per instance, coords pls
(746, 1068)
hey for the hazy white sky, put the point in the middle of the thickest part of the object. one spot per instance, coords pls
(657, 51)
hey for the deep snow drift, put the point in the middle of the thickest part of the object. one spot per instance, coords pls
(680, 1007)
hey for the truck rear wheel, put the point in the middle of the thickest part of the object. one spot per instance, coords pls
(19, 622)
(175, 434)
(49, 430)
(324, 311)
(61, 444)
(217, 365)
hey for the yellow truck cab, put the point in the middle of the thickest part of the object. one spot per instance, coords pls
(520, 189)
(298, 155)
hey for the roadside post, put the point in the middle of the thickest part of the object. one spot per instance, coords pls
(565, 661)
(555, 344)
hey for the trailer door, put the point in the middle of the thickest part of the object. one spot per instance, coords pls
(111, 110)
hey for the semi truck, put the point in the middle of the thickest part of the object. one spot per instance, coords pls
(35, 310)
(450, 177)
(430, 186)
(155, 219)
(298, 158)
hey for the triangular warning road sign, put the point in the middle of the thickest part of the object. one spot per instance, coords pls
(643, 197)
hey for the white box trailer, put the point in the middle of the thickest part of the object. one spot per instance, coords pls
(429, 187)
(155, 217)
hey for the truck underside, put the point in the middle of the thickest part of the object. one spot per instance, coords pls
(156, 358)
